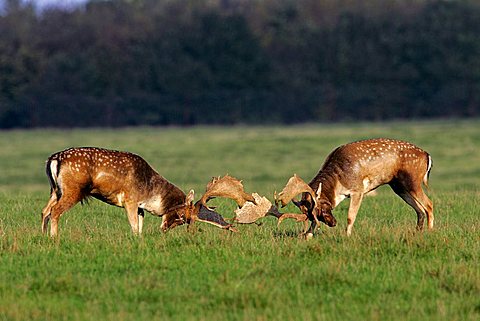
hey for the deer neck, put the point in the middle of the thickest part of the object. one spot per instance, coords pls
(329, 182)
(163, 196)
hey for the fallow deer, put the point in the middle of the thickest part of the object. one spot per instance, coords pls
(126, 180)
(352, 170)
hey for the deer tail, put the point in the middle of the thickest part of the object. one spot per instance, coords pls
(427, 173)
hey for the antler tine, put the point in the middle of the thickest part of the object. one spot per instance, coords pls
(295, 216)
(294, 186)
(226, 186)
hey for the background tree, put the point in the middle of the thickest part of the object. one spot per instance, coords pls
(145, 62)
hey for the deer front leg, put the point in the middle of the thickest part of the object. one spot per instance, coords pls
(141, 215)
(133, 217)
(355, 202)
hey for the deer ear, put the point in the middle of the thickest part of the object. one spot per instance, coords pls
(319, 191)
(190, 197)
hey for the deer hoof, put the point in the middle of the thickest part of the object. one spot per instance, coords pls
(309, 236)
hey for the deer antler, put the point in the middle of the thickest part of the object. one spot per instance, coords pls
(212, 217)
(226, 186)
(295, 186)
(250, 212)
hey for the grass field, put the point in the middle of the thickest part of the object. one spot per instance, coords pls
(385, 271)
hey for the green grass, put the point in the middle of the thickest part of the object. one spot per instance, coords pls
(98, 271)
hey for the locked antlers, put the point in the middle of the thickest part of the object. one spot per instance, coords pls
(226, 186)
(251, 206)
(250, 212)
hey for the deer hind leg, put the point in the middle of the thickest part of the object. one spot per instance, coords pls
(410, 200)
(428, 204)
(418, 200)
(66, 201)
(355, 202)
(47, 210)
(425, 205)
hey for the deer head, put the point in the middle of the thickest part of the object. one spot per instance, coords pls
(311, 204)
(189, 212)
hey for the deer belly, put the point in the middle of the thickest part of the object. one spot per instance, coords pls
(116, 199)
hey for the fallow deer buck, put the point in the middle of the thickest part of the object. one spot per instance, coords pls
(126, 180)
(352, 170)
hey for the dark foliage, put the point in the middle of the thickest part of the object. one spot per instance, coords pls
(127, 63)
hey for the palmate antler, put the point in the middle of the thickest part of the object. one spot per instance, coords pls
(229, 187)
(295, 186)
(250, 212)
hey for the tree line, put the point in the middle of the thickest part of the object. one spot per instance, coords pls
(185, 62)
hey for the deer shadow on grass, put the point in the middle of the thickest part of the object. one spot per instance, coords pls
(291, 234)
